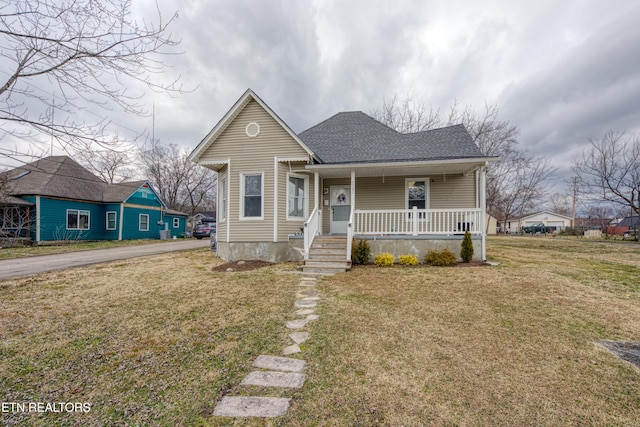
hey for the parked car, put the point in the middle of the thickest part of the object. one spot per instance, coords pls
(204, 230)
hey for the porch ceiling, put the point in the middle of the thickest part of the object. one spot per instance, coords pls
(406, 169)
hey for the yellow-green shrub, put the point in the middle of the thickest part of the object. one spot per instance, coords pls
(408, 259)
(384, 259)
(443, 258)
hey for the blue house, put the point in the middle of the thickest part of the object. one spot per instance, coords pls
(55, 198)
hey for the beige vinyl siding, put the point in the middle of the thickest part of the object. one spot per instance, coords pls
(292, 226)
(452, 192)
(253, 155)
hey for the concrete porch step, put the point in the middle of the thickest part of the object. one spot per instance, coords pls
(336, 256)
(327, 263)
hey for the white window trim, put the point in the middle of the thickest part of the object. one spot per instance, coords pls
(251, 218)
(176, 222)
(427, 191)
(79, 211)
(140, 222)
(115, 221)
(306, 195)
(222, 203)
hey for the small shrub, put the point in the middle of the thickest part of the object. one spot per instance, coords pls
(360, 253)
(443, 258)
(466, 252)
(384, 259)
(408, 259)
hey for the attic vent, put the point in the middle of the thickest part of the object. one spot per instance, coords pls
(252, 130)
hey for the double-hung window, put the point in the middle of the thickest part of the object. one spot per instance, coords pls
(111, 220)
(223, 199)
(297, 190)
(176, 222)
(251, 200)
(77, 219)
(143, 222)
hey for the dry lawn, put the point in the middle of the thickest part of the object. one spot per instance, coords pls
(151, 341)
(159, 340)
(516, 344)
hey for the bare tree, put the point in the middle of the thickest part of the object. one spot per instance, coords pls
(609, 170)
(182, 184)
(111, 166)
(514, 184)
(64, 55)
(561, 203)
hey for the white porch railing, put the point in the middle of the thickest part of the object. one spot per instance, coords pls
(416, 221)
(311, 230)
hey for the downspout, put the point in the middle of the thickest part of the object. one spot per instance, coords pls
(275, 199)
(483, 209)
(228, 198)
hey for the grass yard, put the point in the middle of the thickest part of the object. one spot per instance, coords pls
(160, 342)
(71, 246)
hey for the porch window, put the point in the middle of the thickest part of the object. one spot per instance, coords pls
(223, 199)
(417, 193)
(111, 220)
(297, 190)
(77, 219)
(251, 199)
(143, 222)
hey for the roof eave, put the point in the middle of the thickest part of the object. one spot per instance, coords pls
(354, 165)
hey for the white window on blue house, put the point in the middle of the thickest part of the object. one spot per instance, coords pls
(176, 222)
(297, 190)
(111, 220)
(77, 219)
(143, 222)
(251, 200)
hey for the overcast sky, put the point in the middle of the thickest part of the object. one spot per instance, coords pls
(562, 71)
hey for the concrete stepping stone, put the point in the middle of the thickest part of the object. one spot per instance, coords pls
(311, 299)
(292, 349)
(274, 379)
(308, 293)
(299, 337)
(312, 317)
(304, 311)
(307, 284)
(259, 407)
(298, 323)
(301, 303)
(282, 364)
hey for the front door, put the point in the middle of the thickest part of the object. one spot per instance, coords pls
(340, 208)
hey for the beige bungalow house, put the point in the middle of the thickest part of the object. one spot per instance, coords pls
(284, 196)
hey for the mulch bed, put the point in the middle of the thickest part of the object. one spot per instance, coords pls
(241, 266)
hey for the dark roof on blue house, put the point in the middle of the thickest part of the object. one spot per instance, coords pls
(355, 137)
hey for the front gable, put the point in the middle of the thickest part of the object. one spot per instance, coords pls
(248, 133)
(145, 195)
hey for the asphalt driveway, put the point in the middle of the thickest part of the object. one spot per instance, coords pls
(10, 268)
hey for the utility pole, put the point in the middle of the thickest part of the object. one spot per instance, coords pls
(575, 199)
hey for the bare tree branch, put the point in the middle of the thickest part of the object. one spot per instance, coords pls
(88, 50)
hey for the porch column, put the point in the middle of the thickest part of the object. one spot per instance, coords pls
(316, 198)
(483, 212)
(353, 190)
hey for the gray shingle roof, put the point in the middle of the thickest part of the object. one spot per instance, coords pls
(354, 137)
(61, 176)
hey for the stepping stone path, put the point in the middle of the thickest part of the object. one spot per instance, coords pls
(276, 371)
